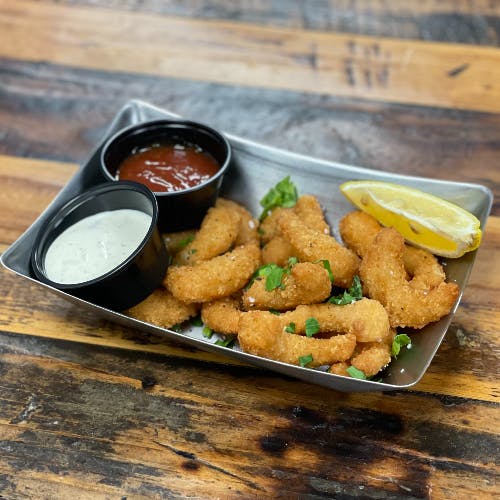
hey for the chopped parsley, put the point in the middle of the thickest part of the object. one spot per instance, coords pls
(354, 293)
(185, 241)
(227, 342)
(312, 327)
(326, 265)
(284, 194)
(275, 312)
(177, 328)
(305, 360)
(290, 328)
(197, 321)
(399, 341)
(274, 274)
(355, 373)
(207, 332)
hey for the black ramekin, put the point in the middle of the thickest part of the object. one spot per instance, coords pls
(134, 279)
(178, 210)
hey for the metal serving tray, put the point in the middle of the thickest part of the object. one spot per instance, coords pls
(254, 170)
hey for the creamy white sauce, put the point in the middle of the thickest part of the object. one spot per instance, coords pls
(95, 245)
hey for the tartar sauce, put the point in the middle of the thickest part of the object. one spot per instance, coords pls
(95, 245)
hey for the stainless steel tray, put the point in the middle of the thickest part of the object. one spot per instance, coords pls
(254, 170)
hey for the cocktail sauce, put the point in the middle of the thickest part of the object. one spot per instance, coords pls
(168, 167)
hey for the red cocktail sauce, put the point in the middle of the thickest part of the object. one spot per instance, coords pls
(168, 167)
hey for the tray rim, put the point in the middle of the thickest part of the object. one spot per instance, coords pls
(262, 149)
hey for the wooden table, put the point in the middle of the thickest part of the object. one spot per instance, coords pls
(89, 409)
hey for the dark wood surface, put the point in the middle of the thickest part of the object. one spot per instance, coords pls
(90, 409)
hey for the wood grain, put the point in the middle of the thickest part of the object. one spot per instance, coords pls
(344, 443)
(402, 71)
(461, 21)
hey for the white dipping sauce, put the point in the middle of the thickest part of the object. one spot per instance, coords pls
(95, 245)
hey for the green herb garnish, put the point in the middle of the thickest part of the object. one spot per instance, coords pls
(326, 265)
(312, 327)
(305, 360)
(177, 328)
(197, 321)
(275, 312)
(227, 342)
(290, 328)
(354, 293)
(399, 341)
(207, 332)
(274, 274)
(186, 241)
(284, 194)
(355, 373)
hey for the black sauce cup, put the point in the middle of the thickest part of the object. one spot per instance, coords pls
(132, 280)
(182, 209)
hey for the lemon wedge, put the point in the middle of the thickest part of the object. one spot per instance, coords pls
(425, 220)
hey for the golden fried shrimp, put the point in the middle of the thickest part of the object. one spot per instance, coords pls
(161, 308)
(312, 245)
(248, 228)
(372, 358)
(222, 315)
(383, 274)
(311, 214)
(216, 235)
(307, 283)
(215, 278)
(278, 250)
(175, 242)
(358, 230)
(366, 319)
(268, 228)
(261, 333)
(339, 369)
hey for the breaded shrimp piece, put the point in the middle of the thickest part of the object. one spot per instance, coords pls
(215, 278)
(162, 309)
(268, 228)
(312, 245)
(307, 283)
(175, 242)
(248, 228)
(278, 250)
(311, 214)
(385, 279)
(216, 235)
(366, 319)
(222, 315)
(261, 333)
(372, 358)
(358, 230)
(339, 369)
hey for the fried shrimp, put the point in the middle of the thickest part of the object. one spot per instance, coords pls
(383, 274)
(248, 227)
(366, 319)
(161, 308)
(215, 278)
(372, 358)
(311, 214)
(261, 333)
(278, 250)
(307, 283)
(216, 235)
(359, 229)
(312, 245)
(222, 315)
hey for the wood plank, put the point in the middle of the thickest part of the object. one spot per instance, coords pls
(455, 76)
(184, 433)
(460, 21)
(61, 113)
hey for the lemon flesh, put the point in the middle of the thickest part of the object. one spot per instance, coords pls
(425, 220)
